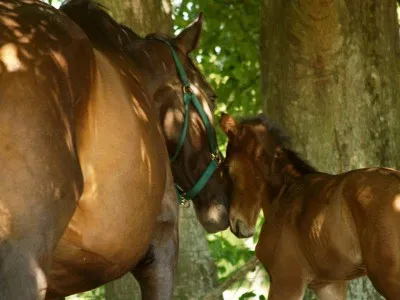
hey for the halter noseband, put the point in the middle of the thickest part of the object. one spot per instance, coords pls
(190, 98)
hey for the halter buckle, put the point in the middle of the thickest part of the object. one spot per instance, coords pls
(184, 202)
(187, 89)
(216, 157)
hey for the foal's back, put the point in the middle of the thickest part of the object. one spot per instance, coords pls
(347, 225)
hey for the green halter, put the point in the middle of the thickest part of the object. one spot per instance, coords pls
(190, 98)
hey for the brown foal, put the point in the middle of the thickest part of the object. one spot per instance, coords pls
(320, 230)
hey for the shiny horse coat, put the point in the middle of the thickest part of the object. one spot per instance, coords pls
(320, 230)
(88, 126)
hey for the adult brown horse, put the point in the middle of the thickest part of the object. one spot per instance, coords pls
(320, 230)
(85, 125)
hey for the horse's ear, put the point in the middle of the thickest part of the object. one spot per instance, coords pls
(189, 38)
(228, 125)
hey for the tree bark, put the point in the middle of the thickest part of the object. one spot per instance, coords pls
(143, 16)
(197, 273)
(330, 77)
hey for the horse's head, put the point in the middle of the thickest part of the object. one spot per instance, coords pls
(185, 103)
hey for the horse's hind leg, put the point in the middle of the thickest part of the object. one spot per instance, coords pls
(155, 273)
(21, 276)
(39, 188)
(387, 285)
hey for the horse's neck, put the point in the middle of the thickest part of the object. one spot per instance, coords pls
(144, 64)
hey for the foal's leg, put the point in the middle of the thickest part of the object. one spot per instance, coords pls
(288, 289)
(382, 255)
(387, 284)
(155, 273)
(331, 291)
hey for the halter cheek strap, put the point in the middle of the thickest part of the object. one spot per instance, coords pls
(190, 98)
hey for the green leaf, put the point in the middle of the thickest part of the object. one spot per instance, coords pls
(247, 295)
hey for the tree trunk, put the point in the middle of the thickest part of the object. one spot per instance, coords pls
(330, 76)
(196, 273)
(143, 16)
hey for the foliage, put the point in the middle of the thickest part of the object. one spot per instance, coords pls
(228, 53)
(95, 294)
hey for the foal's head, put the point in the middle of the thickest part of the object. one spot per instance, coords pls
(258, 164)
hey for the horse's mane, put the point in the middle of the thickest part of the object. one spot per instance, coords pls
(284, 141)
(102, 30)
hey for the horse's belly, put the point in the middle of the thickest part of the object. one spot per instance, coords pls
(124, 161)
(109, 233)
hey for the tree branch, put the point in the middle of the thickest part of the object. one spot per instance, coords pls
(235, 277)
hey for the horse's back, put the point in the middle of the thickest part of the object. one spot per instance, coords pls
(44, 68)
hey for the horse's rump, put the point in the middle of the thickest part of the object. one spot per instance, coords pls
(40, 85)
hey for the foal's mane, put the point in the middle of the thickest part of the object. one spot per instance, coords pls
(301, 165)
(102, 30)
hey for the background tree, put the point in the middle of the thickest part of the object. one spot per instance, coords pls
(330, 76)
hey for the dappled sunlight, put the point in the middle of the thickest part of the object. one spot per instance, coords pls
(139, 110)
(204, 102)
(90, 192)
(366, 194)
(40, 276)
(172, 118)
(396, 203)
(5, 220)
(9, 57)
(317, 225)
(166, 6)
(147, 160)
(214, 213)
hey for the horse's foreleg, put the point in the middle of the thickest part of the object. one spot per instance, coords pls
(331, 291)
(155, 273)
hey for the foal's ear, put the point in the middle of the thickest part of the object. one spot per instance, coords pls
(228, 125)
(189, 38)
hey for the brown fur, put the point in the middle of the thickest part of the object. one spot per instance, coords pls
(86, 180)
(320, 230)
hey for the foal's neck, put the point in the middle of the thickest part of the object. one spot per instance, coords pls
(288, 170)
